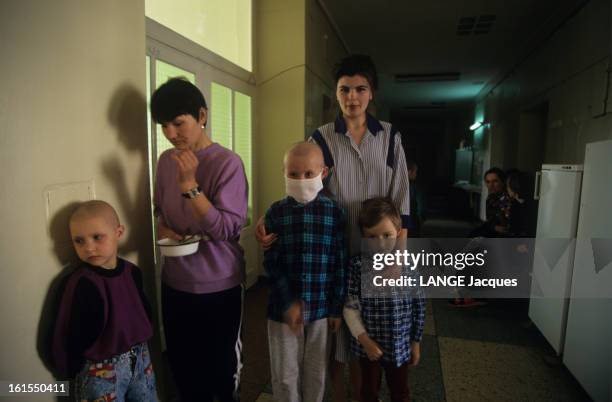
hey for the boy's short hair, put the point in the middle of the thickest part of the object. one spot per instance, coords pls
(174, 98)
(303, 148)
(357, 64)
(95, 208)
(375, 210)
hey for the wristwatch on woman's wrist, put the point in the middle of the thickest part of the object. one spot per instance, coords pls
(193, 193)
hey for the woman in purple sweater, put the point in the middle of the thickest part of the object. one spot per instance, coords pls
(200, 188)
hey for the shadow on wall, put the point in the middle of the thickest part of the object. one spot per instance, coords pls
(67, 258)
(127, 112)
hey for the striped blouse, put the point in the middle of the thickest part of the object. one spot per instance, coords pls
(374, 168)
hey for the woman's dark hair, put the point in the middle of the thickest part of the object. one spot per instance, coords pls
(357, 64)
(376, 209)
(174, 98)
(496, 171)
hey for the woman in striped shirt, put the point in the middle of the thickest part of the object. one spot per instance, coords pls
(366, 159)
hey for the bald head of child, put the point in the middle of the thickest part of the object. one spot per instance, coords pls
(95, 231)
(304, 160)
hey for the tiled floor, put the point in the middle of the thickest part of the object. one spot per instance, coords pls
(485, 353)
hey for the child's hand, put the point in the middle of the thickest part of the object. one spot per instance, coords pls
(187, 164)
(164, 232)
(415, 357)
(372, 349)
(294, 317)
(264, 239)
(334, 323)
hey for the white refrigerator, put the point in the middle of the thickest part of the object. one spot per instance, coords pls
(558, 191)
(588, 341)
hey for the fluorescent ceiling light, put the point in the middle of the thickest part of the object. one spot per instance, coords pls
(476, 125)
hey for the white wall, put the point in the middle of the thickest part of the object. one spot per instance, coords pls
(72, 109)
(280, 72)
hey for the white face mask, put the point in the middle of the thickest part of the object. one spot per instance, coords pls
(304, 191)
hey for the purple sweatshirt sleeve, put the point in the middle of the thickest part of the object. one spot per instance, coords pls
(225, 218)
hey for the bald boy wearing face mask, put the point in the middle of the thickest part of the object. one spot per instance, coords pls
(306, 267)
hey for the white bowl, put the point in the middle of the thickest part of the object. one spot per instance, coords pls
(175, 248)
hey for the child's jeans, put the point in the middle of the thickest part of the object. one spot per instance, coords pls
(125, 377)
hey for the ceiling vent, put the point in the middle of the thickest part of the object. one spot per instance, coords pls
(429, 77)
(475, 25)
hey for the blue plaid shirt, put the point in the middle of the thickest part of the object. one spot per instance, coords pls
(307, 261)
(391, 320)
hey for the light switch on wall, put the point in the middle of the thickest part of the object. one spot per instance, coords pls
(58, 196)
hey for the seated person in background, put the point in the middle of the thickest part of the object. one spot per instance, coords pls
(515, 211)
(496, 225)
(520, 227)
(498, 202)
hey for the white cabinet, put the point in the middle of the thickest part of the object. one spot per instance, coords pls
(588, 340)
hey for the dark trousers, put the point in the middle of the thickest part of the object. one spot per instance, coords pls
(203, 342)
(397, 380)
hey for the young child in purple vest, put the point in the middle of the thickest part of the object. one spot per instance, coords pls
(103, 326)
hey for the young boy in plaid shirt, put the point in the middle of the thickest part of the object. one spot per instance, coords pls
(387, 326)
(306, 267)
